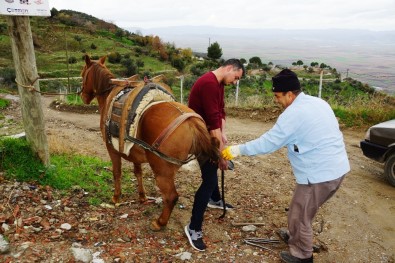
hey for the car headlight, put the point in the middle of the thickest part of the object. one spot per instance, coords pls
(367, 135)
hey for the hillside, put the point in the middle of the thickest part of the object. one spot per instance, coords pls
(61, 41)
(67, 35)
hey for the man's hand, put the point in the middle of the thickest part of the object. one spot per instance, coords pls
(223, 164)
(231, 152)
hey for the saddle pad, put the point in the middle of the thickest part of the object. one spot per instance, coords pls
(125, 111)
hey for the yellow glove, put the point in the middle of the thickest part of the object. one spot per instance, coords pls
(230, 152)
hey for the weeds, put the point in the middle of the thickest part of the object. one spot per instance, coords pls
(66, 171)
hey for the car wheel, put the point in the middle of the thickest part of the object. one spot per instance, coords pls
(389, 169)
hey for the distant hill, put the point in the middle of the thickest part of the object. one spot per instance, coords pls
(364, 55)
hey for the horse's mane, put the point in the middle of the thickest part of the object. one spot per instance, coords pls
(101, 76)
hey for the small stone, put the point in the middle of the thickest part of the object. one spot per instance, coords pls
(65, 226)
(4, 245)
(184, 255)
(249, 228)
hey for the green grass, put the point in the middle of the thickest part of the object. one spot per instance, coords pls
(66, 171)
(4, 103)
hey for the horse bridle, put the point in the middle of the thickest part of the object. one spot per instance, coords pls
(84, 78)
(95, 91)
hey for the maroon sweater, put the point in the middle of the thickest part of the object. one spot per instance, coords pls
(207, 99)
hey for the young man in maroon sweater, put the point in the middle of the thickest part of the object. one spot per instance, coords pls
(207, 99)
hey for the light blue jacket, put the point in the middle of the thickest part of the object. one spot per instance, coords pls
(309, 129)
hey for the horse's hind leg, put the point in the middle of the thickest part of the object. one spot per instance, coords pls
(140, 187)
(166, 185)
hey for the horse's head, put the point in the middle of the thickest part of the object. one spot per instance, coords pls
(93, 82)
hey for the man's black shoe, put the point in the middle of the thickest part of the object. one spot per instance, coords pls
(283, 234)
(195, 238)
(288, 258)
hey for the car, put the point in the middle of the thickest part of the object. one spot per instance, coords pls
(379, 145)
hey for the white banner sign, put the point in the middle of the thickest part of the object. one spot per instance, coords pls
(25, 7)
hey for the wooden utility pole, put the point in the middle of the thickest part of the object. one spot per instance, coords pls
(320, 86)
(27, 76)
(237, 93)
(181, 88)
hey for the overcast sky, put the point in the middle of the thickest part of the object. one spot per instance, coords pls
(378, 15)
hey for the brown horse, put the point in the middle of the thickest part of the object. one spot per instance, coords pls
(189, 137)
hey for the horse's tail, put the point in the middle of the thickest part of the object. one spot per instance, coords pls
(204, 146)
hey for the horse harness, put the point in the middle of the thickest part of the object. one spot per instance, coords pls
(127, 106)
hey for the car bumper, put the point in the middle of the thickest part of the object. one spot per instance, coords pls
(374, 151)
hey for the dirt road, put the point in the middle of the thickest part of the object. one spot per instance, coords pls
(356, 225)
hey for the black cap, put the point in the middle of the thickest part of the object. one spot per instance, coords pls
(285, 81)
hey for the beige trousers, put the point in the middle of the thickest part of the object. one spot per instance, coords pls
(304, 205)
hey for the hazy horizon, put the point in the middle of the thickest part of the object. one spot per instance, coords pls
(368, 56)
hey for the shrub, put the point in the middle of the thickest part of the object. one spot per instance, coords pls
(178, 63)
(130, 66)
(114, 57)
(8, 75)
(72, 60)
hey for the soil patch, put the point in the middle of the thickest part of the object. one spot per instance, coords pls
(41, 225)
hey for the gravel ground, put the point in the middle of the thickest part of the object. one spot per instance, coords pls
(40, 225)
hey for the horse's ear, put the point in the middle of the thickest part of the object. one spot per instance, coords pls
(87, 59)
(102, 60)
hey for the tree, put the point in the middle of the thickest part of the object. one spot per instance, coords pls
(256, 60)
(54, 12)
(314, 64)
(323, 65)
(214, 51)
(187, 54)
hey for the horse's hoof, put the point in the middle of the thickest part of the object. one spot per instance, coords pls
(142, 197)
(115, 200)
(155, 226)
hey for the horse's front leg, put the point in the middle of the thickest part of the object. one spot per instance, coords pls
(166, 185)
(140, 187)
(116, 174)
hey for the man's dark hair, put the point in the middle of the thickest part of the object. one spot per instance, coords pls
(236, 63)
